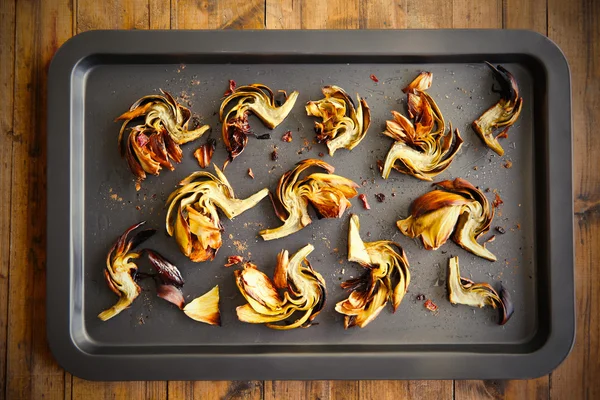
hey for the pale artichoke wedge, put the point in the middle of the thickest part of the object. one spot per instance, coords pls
(155, 143)
(386, 278)
(304, 292)
(205, 308)
(457, 206)
(503, 114)
(422, 147)
(192, 215)
(121, 269)
(464, 291)
(342, 125)
(328, 193)
(256, 99)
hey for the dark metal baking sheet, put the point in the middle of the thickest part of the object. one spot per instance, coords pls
(92, 199)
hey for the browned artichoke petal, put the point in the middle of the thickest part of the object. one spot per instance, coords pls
(328, 193)
(422, 82)
(257, 99)
(205, 152)
(464, 291)
(503, 114)
(467, 229)
(168, 273)
(166, 122)
(343, 125)
(386, 279)
(434, 228)
(193, 217)
(304, 292)
(205, 308)
(170, 293)
(120, 269)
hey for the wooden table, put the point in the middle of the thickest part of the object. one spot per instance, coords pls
(32, 30)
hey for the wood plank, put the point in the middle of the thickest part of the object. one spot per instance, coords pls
(222, 14)
(312, 14)
(141, 390)
(477, 14)
(41, 27)
(383, 14)
(124, 14)
(429, 14)
(112, 14)
(160, 14)
(392, 390)
(575, 27)
(7, 136)
(495, 14)
(529, 14)
(517, 14)
(248, 390)
(417, 14)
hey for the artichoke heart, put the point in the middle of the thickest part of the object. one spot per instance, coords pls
(386, 278)
(328, 193)
(155, 143)
(256, 99)
(304, 292)
(457, 206)
(464, 291)
(121, 269)
(192, 215)
(343, 125)
(422, 147)
(503, 114)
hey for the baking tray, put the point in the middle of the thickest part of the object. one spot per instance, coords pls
(91, 200)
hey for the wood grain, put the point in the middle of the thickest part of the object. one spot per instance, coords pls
(312, 14)
(297, 390)
(31, 30)
(222, 14)
(494, 14)
(7, 73)
(575, 26)
(392, 390)
(124, 14)
(41, 27)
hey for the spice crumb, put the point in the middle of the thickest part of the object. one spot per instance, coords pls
(364, 201)
(430, 305)
(250, 173)
(287, 137)
(380, 197)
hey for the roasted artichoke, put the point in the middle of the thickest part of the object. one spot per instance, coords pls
(304, 292)
(256, 99)
(155, 143)
(328, 193)
(422, 149)
(121, 269)
(386, 278)
(464, 291)
(343, 125)
(205, 308)
(192, 214)
(503, 114)
(457, 206)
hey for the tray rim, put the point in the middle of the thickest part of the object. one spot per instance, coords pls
(409, 44)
